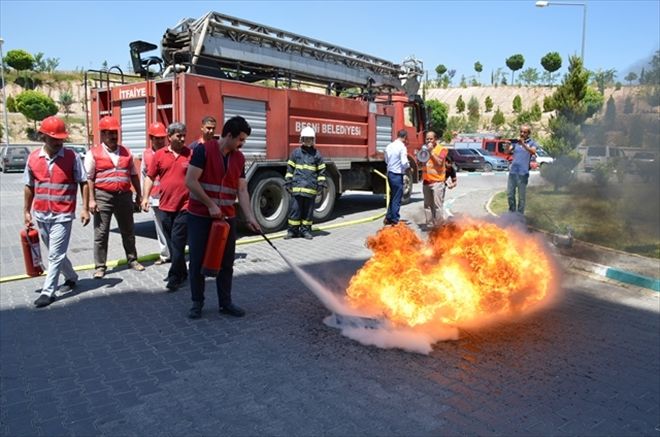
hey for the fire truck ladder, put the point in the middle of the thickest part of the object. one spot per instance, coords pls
(227, 47)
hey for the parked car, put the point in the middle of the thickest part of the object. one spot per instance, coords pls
(543, 158)
(493, 162)
(80, 149)
(645, 164)
(602, 155)
(13, 158)
(466, 159)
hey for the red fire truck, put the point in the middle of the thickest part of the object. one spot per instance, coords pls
(280, 82)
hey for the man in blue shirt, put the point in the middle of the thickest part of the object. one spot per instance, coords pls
(396, 158)
(522, 152)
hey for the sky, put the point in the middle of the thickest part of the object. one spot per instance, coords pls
(620, 35)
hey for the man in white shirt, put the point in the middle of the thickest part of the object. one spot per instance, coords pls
(396, 158)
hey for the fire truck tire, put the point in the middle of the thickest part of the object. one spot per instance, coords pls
(407, 187)
(269, 200)
(325, 201)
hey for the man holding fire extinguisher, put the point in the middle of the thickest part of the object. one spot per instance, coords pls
(51, 177)
(216, 175)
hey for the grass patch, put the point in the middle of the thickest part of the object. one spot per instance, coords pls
(623, 218)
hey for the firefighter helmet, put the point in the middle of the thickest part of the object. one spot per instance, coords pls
(53, 127)
(157, 129)
(108, 123)
(307, 132)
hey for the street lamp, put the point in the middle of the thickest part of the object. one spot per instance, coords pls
(544, 3)
(4, 85)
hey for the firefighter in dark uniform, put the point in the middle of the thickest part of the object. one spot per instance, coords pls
(305, 177)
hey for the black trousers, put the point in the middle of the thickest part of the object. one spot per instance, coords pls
(175, 228)
(198, 234)
(301, 213)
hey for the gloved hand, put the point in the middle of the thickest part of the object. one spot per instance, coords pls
(287, 187)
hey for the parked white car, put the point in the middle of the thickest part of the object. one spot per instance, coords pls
(543, 158)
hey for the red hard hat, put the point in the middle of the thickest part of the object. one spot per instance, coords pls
(109, 123)
(157, 129)
(53, 127)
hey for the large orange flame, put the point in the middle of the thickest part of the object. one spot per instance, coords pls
(466, 273)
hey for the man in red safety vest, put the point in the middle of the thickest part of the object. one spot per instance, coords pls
(52, 176)
(215, 177)
(110, 174)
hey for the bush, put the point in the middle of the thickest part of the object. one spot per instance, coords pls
(562, 171)
(601, 174)
(35, 105)
(517, 104)
(11, 104)
(19, 60)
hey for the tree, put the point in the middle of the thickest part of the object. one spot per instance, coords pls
(548, 104)
(488, 104)
(628, 106)
(65, 101)
(630, 77)
(530, 76)
(551, 62)
(478, 68)
(52, 64)
(19, 60)
(463, 83)
(460, 105)
(498, 118)
(39, 62)
(517, 104)
(515, 63)
(473, 110)
(610, 113)
(11, 104)
(440, 70)
(568, 101)
(437, 113)
(535, 112)
(593, 102)
(35, 106)
(603, 79)
(651, 81)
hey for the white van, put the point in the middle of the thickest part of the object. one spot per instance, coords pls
(601, 155)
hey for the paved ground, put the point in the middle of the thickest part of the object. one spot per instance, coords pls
(119, 357)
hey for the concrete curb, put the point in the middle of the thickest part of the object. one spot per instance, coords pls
(599, 269)
(613, 273)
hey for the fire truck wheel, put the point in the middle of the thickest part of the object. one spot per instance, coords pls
(407, 187)
(269, 200)
(325, 201)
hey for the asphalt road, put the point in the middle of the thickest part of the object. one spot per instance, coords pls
(119, 357)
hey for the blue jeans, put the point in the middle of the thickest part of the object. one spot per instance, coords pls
(396, 193)
(517, 182)
(198, 234)
(55, 237)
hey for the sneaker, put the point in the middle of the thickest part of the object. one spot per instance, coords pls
(161, 261)
(136, 266)
(43, 301)
(68, 286)
(196, 310)
(307, 235)
(232, 310)
(99, 273)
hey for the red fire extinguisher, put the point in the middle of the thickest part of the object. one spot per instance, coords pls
(31, 251)
(215, 248)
